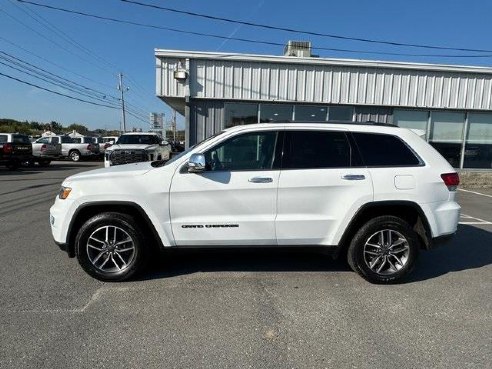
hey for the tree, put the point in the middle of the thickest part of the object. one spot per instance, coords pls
(77, 127)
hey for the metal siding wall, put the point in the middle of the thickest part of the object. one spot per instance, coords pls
(267, 81)
(207, 118)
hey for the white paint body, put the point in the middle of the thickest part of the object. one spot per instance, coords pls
(298, 207)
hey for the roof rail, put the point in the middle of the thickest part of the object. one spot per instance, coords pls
(368, 122)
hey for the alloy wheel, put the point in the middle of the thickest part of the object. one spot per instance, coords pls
(386, 252)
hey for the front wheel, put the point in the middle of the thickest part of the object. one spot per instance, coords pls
(110, 247)
(384, 250)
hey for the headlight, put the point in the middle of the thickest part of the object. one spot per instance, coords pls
(64, 192)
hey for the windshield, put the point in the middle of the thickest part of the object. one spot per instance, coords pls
(139, 140)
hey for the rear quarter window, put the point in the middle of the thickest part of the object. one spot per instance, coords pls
(383, 150)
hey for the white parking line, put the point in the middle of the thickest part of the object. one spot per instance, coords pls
(474, 192)
(474, 220)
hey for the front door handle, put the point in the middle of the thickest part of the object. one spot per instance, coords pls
(354, 177)
(260, 180)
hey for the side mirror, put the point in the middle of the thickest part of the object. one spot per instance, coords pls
(196, 163)
(164, 143)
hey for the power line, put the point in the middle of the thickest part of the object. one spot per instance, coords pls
(57, 77)
(29, 52)
(270, 43)
(292, 30)
(51, 27)
(52, 82)
(54, 92)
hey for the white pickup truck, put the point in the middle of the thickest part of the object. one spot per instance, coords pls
(136, 147)
(44, 151)
(75, 150)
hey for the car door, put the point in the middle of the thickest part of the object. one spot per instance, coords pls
(321, 185)
(233, 202)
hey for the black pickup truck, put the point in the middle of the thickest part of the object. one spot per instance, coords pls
(14, 150)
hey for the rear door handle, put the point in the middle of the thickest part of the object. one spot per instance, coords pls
(260, 180)
(354, 177)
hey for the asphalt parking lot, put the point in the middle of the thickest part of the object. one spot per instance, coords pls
(247, 309)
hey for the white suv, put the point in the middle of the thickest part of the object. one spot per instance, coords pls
(376, 194)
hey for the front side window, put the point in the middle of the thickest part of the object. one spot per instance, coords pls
(316, 149)
(250, 151)
(382, 150)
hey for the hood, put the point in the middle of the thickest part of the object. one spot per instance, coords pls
(132, 147)
(126, 170)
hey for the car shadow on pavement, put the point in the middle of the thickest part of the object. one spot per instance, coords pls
(471, 248)
(182, 262)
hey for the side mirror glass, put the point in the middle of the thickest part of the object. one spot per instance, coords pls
(196, 163)
(164, 143)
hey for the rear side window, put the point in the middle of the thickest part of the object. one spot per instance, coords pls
(316, 149)
(3, 138)
(64, 139)
(381, 150)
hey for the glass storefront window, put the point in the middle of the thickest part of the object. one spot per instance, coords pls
(478, 147)
(275, 113)
(310, 113)
(447, 135)
(343, 113)
(240, 113)
(412, 119)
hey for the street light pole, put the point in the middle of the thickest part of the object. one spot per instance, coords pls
(122, 90)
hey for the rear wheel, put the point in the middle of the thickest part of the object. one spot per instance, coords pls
(384, 250)
(110, 247)
(74, 155)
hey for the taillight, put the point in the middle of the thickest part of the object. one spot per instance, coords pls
(43, 148)
(106, 145)
(7, 148)
(89, 147)
(452, 180)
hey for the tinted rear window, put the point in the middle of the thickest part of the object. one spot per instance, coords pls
(380, 150)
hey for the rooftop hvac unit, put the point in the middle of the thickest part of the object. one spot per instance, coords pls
(301, 49)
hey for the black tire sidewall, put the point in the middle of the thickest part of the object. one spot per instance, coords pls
(111, 219)
(356, 249)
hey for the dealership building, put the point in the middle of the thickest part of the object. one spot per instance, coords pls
(213, 91)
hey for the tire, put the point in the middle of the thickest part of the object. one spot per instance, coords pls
(44, 163)
(384, 260)
(74, 155)
(121, 261)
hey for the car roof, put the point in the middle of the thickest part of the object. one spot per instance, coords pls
(139, 133)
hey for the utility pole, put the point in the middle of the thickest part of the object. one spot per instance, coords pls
(122, 90)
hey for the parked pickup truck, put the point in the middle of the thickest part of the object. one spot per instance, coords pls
(73, 150)
(133, 147)
(14, 150)
(44, 152)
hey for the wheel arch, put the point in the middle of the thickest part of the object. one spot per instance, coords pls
(409, 211)
(88, 210)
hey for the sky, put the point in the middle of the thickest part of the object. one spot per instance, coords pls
(92, 52)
